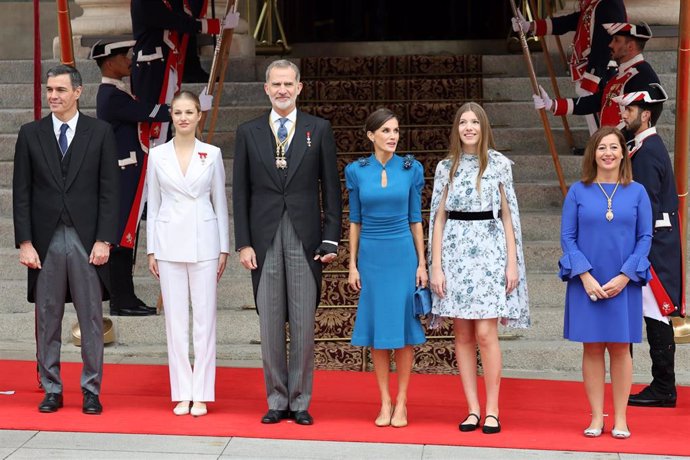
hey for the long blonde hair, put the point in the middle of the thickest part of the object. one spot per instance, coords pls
(486, 141)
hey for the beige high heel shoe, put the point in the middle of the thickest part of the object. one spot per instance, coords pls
(384, 419)
(401, 421)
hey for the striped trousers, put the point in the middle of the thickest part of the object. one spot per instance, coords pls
(287, 293)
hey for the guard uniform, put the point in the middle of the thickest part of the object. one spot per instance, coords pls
(662, 297)
(589, 56)
(631, 76)
(161, 29)
(116, 105)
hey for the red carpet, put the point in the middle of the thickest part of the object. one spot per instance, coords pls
(535, 414)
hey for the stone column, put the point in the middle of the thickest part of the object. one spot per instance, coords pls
(101, 19)
(653, 12)
(657, 12)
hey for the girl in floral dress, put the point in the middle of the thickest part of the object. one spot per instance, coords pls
(477, 264)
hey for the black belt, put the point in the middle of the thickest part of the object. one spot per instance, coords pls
(460, 215)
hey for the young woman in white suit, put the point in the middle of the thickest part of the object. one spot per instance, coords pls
(187, 246)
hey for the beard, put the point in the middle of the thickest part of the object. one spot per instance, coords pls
(633, 126)
(285, 104)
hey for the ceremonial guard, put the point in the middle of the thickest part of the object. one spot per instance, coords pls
(116, 105)
(662, 297)
(589, 51)
(162, 29)
(634, 74)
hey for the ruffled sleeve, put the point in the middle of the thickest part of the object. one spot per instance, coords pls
(415, 200)
(637, 266)
(573, 262)
(353, 191)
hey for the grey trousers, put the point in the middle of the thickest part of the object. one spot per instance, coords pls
(287, 292)
(67, 264)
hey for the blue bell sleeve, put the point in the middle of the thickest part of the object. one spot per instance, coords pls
(353, 192)
(637, 266)
(573, 262)
(415, 199)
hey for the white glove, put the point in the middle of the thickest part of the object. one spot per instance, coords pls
(520, 23)
(542, 101)
(205, 100)
(231, 21)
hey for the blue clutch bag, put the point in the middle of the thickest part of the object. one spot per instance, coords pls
(422, 301)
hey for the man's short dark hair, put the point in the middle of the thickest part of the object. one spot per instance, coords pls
(654, 110)
(62, 69)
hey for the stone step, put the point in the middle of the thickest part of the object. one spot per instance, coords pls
(531, 196)
(21, 71)
(520, 88)
(513, 65)
(509, 140)
(20, 95)
(229, 118)
(146, 337)
(526, 168)
(522, 114)
(540, 256)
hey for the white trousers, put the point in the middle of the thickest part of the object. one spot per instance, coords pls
(178, 281)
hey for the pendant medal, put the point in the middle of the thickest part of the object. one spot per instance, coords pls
(281, 163)
(609, 215)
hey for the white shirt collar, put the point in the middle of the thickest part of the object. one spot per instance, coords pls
(640, 137)
(119, 84)
(626, 65)
(71, 122)
(292, 117)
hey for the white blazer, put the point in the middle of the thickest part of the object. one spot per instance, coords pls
(187, 216)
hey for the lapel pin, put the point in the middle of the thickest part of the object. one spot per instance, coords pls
(202, 156)
(308, 139)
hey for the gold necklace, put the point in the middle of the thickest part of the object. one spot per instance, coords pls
(609, 199)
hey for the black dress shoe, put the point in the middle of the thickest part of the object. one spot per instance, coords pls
(132, 311)
(51, 402)
(302, 417)
(467, 425)
(488, 429)
(650, 398)
(91, 406)
(275, 416)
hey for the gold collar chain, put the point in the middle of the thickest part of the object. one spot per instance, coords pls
(281, 162)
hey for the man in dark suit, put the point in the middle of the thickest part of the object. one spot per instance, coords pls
(65, 205)
(284, 177)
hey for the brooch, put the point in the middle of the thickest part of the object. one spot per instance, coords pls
(308, 139)
(202, 156)
(407, 161)
(364, 161)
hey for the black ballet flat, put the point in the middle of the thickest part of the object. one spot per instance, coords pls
(491, 429)
(465, 426)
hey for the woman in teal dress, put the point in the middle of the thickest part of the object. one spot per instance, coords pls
(387, 257)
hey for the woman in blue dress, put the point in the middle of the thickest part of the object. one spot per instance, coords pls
(387, 257)
(606, 234)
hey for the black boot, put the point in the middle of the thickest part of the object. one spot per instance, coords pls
(123, 302)
(662, 348)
